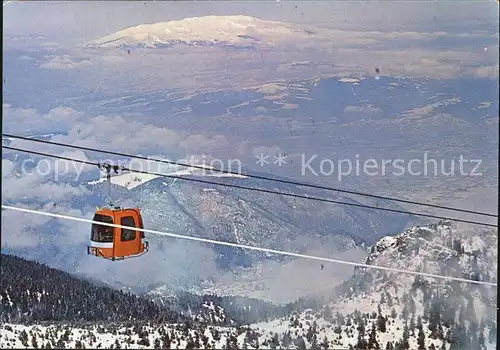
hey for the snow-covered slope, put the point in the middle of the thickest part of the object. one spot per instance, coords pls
(236, 31)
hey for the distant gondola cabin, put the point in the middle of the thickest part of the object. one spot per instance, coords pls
(117, 243)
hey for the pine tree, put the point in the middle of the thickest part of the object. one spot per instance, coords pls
(449, 314)
(481, 340)
(452, 338)
(406, 337)
(34, 342)
(372, 341)
(314, 342)
(434, 318)
(461, 331)
(287, 339)
(421, 338)
(197, 343)
(405, 312)
(440, 331)
(166, 341)
(340, 319)
(324, 343)
(381, 321)
(412, 306)
(300, 343)
(412, 325)
(361, 334)
(492, 334)
(327, 313)
(190, 344)
(275, 342)
(470, 311)
(23, 337)
(473, 334)
(309, 334)
(389, 300)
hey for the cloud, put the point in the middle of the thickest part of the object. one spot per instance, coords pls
(65, 62)
(50, 44)
(37, 181)
(112, 59)
(128, 136)
(361, 109)
(7, 168)
(350, 52)
(430, 108)
(31, 121)
(19, 229)
(115, 133)
(491, 72)
(280, 282)
(170, 261)
(271, 150)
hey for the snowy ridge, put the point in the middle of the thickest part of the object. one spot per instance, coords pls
(237, 30)
(437, 249)
(379, 309)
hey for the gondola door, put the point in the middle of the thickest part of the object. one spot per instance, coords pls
(128, 241)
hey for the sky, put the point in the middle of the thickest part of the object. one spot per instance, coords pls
(86, 20)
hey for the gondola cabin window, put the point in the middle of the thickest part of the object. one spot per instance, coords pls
(127, 234)
(101, 233)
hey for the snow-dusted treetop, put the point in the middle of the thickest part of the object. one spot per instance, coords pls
(235, 30)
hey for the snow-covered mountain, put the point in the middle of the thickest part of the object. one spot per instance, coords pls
(195, 206)
(459, 314)
(373, 310)
(228, 31)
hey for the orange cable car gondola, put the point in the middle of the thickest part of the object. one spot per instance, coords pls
(116, 243)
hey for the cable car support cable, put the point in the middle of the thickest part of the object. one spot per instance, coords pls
(247, 247)
(289, 182)
(261, 190)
